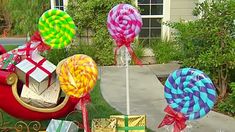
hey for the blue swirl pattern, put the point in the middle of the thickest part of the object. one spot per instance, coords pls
(190, 92)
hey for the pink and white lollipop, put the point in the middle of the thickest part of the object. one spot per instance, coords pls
(124, 24)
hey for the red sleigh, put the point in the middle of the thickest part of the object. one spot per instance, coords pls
(11, 103)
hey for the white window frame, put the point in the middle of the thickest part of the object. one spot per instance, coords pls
(65, 4)
(165, 32)
(154, 16)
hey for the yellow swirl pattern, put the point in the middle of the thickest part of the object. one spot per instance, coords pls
(78, 75)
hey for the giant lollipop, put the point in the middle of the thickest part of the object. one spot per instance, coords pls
(124, 24)
(77, 76)
(190, 92)
(56, 28)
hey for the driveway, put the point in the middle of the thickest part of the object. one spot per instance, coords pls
(146, 97)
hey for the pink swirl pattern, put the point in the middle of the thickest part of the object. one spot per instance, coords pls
(124, 24)
(124, 21)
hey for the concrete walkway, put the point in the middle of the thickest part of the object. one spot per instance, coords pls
(15, 41)
(146, 97)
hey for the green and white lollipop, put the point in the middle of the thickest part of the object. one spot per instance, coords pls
(56, 28)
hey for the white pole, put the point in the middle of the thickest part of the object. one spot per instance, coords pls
(127, 83)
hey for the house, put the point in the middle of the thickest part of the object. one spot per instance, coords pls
(153, 13)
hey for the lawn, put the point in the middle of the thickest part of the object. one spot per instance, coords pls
(10, 47)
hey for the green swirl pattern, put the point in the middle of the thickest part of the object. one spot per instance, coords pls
(56, 28)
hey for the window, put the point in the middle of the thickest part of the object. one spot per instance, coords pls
(59, 4)
(152, 14)
(151, 7)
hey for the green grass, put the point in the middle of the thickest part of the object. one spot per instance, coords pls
(99, 108)
(10, 47)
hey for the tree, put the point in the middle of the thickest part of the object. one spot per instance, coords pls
(208, 43)
(24, 14)
(5, 22)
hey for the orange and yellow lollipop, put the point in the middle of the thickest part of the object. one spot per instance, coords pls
(78, 75)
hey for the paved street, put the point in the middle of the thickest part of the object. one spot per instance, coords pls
(146, 97)
(15, 41)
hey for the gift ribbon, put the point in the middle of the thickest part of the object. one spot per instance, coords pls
(83, 101)
(8, 61)
(27, 49)
(37, 65)
(127, 43)
(127, 128)
(173, 117)
(36, 38)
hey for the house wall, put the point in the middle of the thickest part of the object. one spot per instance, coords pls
(182, 9)
(175, 11)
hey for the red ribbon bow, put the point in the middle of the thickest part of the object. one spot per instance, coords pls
(127, 43)
(36, 38)
(173, 117)
(27, 49)
(37, 65)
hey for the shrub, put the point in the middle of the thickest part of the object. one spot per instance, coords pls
(24, 14)
(56, 55)
(208, 42)
(81, 48)
(104, 47)
(166, 51)
(138, 49)
(228, 105)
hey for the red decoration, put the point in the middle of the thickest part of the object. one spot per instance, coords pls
(9, 104)
(3, 77)
(2, 49)
(36, 38)
(27, 50)
(173, 117)
(37, 65)
(127, 44)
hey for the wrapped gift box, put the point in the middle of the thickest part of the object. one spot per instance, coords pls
(8, 61)
(131, 123)
(27, 49)
(37, 73)
(48, 98)
(61, 126)
(104, 125)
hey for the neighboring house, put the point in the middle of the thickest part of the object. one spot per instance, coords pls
(153, 13)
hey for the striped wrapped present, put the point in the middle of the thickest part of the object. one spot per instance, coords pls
(61, 126)
(49, 98)
(130, 123)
